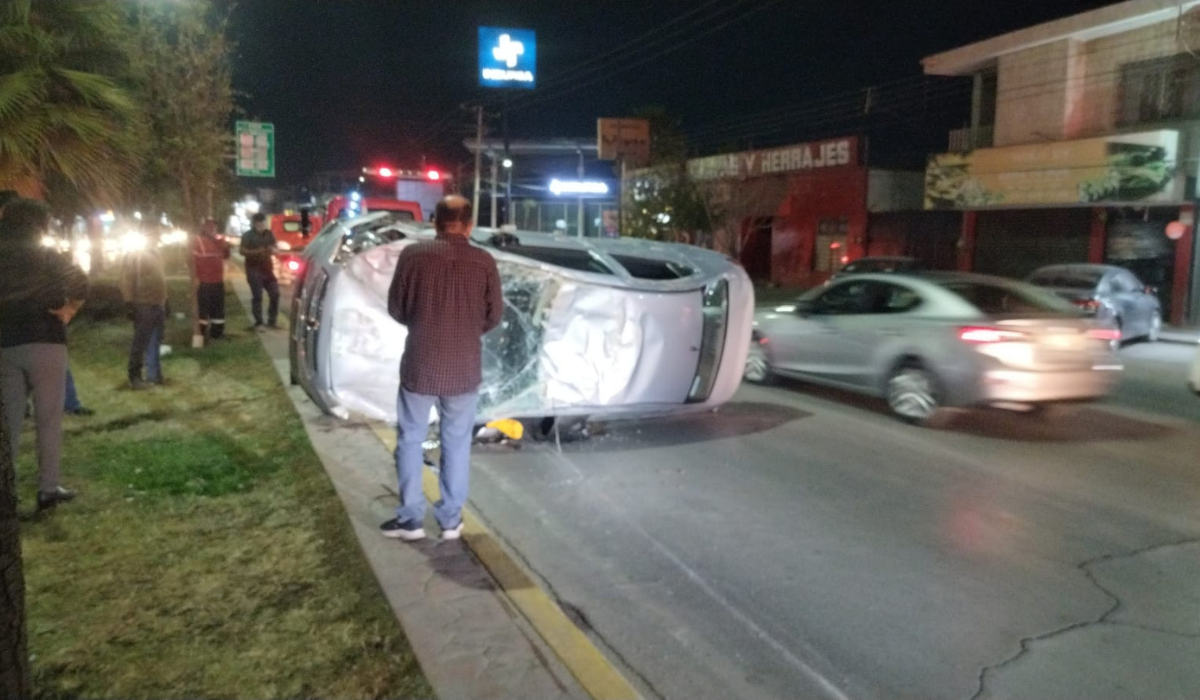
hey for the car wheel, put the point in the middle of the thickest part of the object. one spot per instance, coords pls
(758, 367)
(913, 396)
(1155, 327)
(1115, 344)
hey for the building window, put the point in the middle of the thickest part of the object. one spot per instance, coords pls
(830, 254)
(1158, 90)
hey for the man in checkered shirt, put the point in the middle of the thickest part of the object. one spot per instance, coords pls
(447, 292)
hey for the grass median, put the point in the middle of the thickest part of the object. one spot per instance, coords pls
(207, 554)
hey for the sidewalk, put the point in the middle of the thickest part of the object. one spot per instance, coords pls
(1172, 334)
(463, 625)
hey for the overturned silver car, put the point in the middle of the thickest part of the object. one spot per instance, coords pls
(592, 327)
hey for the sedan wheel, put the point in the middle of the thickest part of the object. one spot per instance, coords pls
(1155, 327)
(912, 395)
(758, 369)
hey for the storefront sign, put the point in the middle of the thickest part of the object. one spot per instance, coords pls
(627, 139)
(1125, 168)
(578, 187)
(507, 58)
(776, 161)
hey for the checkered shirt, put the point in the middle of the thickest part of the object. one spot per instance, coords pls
(448, 293)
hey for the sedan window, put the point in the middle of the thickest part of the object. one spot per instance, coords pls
(1004, 300)
(845, 299)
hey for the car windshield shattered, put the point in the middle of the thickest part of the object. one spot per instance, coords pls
(591, 327)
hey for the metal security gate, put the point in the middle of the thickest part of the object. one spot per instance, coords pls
(1015, 243)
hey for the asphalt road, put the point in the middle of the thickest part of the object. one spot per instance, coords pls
(802, 544)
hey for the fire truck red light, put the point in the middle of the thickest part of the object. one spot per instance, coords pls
(385, 172)
(433, 175)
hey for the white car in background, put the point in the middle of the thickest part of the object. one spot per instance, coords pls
(592, 327)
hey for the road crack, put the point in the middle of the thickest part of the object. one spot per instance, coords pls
(1085, 567)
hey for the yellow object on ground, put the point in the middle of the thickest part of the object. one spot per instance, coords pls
(512, 429)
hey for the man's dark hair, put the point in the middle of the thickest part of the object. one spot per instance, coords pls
(451, 209)
(25, 220)
(8, 197)
(258, 218)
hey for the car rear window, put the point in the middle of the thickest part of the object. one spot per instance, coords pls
(650, 269)
(1006, 300)
(1067, 279)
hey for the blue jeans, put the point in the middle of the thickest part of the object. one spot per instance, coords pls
(457, 423)
(148, 322)
(72, 403)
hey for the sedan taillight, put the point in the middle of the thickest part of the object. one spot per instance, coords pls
(983, 335)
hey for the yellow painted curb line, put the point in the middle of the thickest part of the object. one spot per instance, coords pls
(594, 672)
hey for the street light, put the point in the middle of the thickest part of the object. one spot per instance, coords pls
(508, 206)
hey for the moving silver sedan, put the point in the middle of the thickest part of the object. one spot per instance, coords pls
(934, 341)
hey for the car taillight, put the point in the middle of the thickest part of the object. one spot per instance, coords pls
(1089, 305)
(981, 335)
(293, 265)
(1106, 334)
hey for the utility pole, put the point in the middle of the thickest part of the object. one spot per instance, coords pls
(581, 195)
(478, 158)
(495, 188)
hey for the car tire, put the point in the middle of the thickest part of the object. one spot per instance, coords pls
(913, 395)
(1155, 327)
(758, 365)
(1115, 345)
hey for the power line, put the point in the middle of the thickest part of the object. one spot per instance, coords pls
(642, 61)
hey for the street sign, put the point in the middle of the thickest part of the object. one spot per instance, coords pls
(627, 139)
(255, 149)
(507, 58)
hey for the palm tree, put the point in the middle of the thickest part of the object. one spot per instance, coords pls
(64, 118)
(14, 657)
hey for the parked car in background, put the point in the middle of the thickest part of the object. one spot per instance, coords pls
(1110, 294)
(934, 341)
(592, 327)
(293, 232)
(878, 264)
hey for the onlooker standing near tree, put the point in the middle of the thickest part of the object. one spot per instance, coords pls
(258, 248)
(144, 288)
(208, 264)
(40, 292)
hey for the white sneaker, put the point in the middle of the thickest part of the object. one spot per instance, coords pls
(453, 533)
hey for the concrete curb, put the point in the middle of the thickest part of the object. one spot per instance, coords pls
(467, 635)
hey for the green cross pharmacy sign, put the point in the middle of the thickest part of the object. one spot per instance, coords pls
(255, 149)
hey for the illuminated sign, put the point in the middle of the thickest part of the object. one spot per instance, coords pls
(578, 187)
(507, 57)
(775, 161)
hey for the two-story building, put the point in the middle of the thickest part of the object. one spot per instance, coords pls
(1083, 145)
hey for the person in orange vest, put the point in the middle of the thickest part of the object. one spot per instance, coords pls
(208, 265)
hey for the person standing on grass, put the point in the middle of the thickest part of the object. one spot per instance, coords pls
(40, 292)
(144, 288)
(258, 248)
(447, 292)
(208, 264)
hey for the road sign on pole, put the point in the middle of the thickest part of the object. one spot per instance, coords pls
(255, 149)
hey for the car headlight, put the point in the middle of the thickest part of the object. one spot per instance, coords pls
(712, 340)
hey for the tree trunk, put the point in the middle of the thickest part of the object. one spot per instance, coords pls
(14, 655)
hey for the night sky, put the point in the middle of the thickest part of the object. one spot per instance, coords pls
(350, 83)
